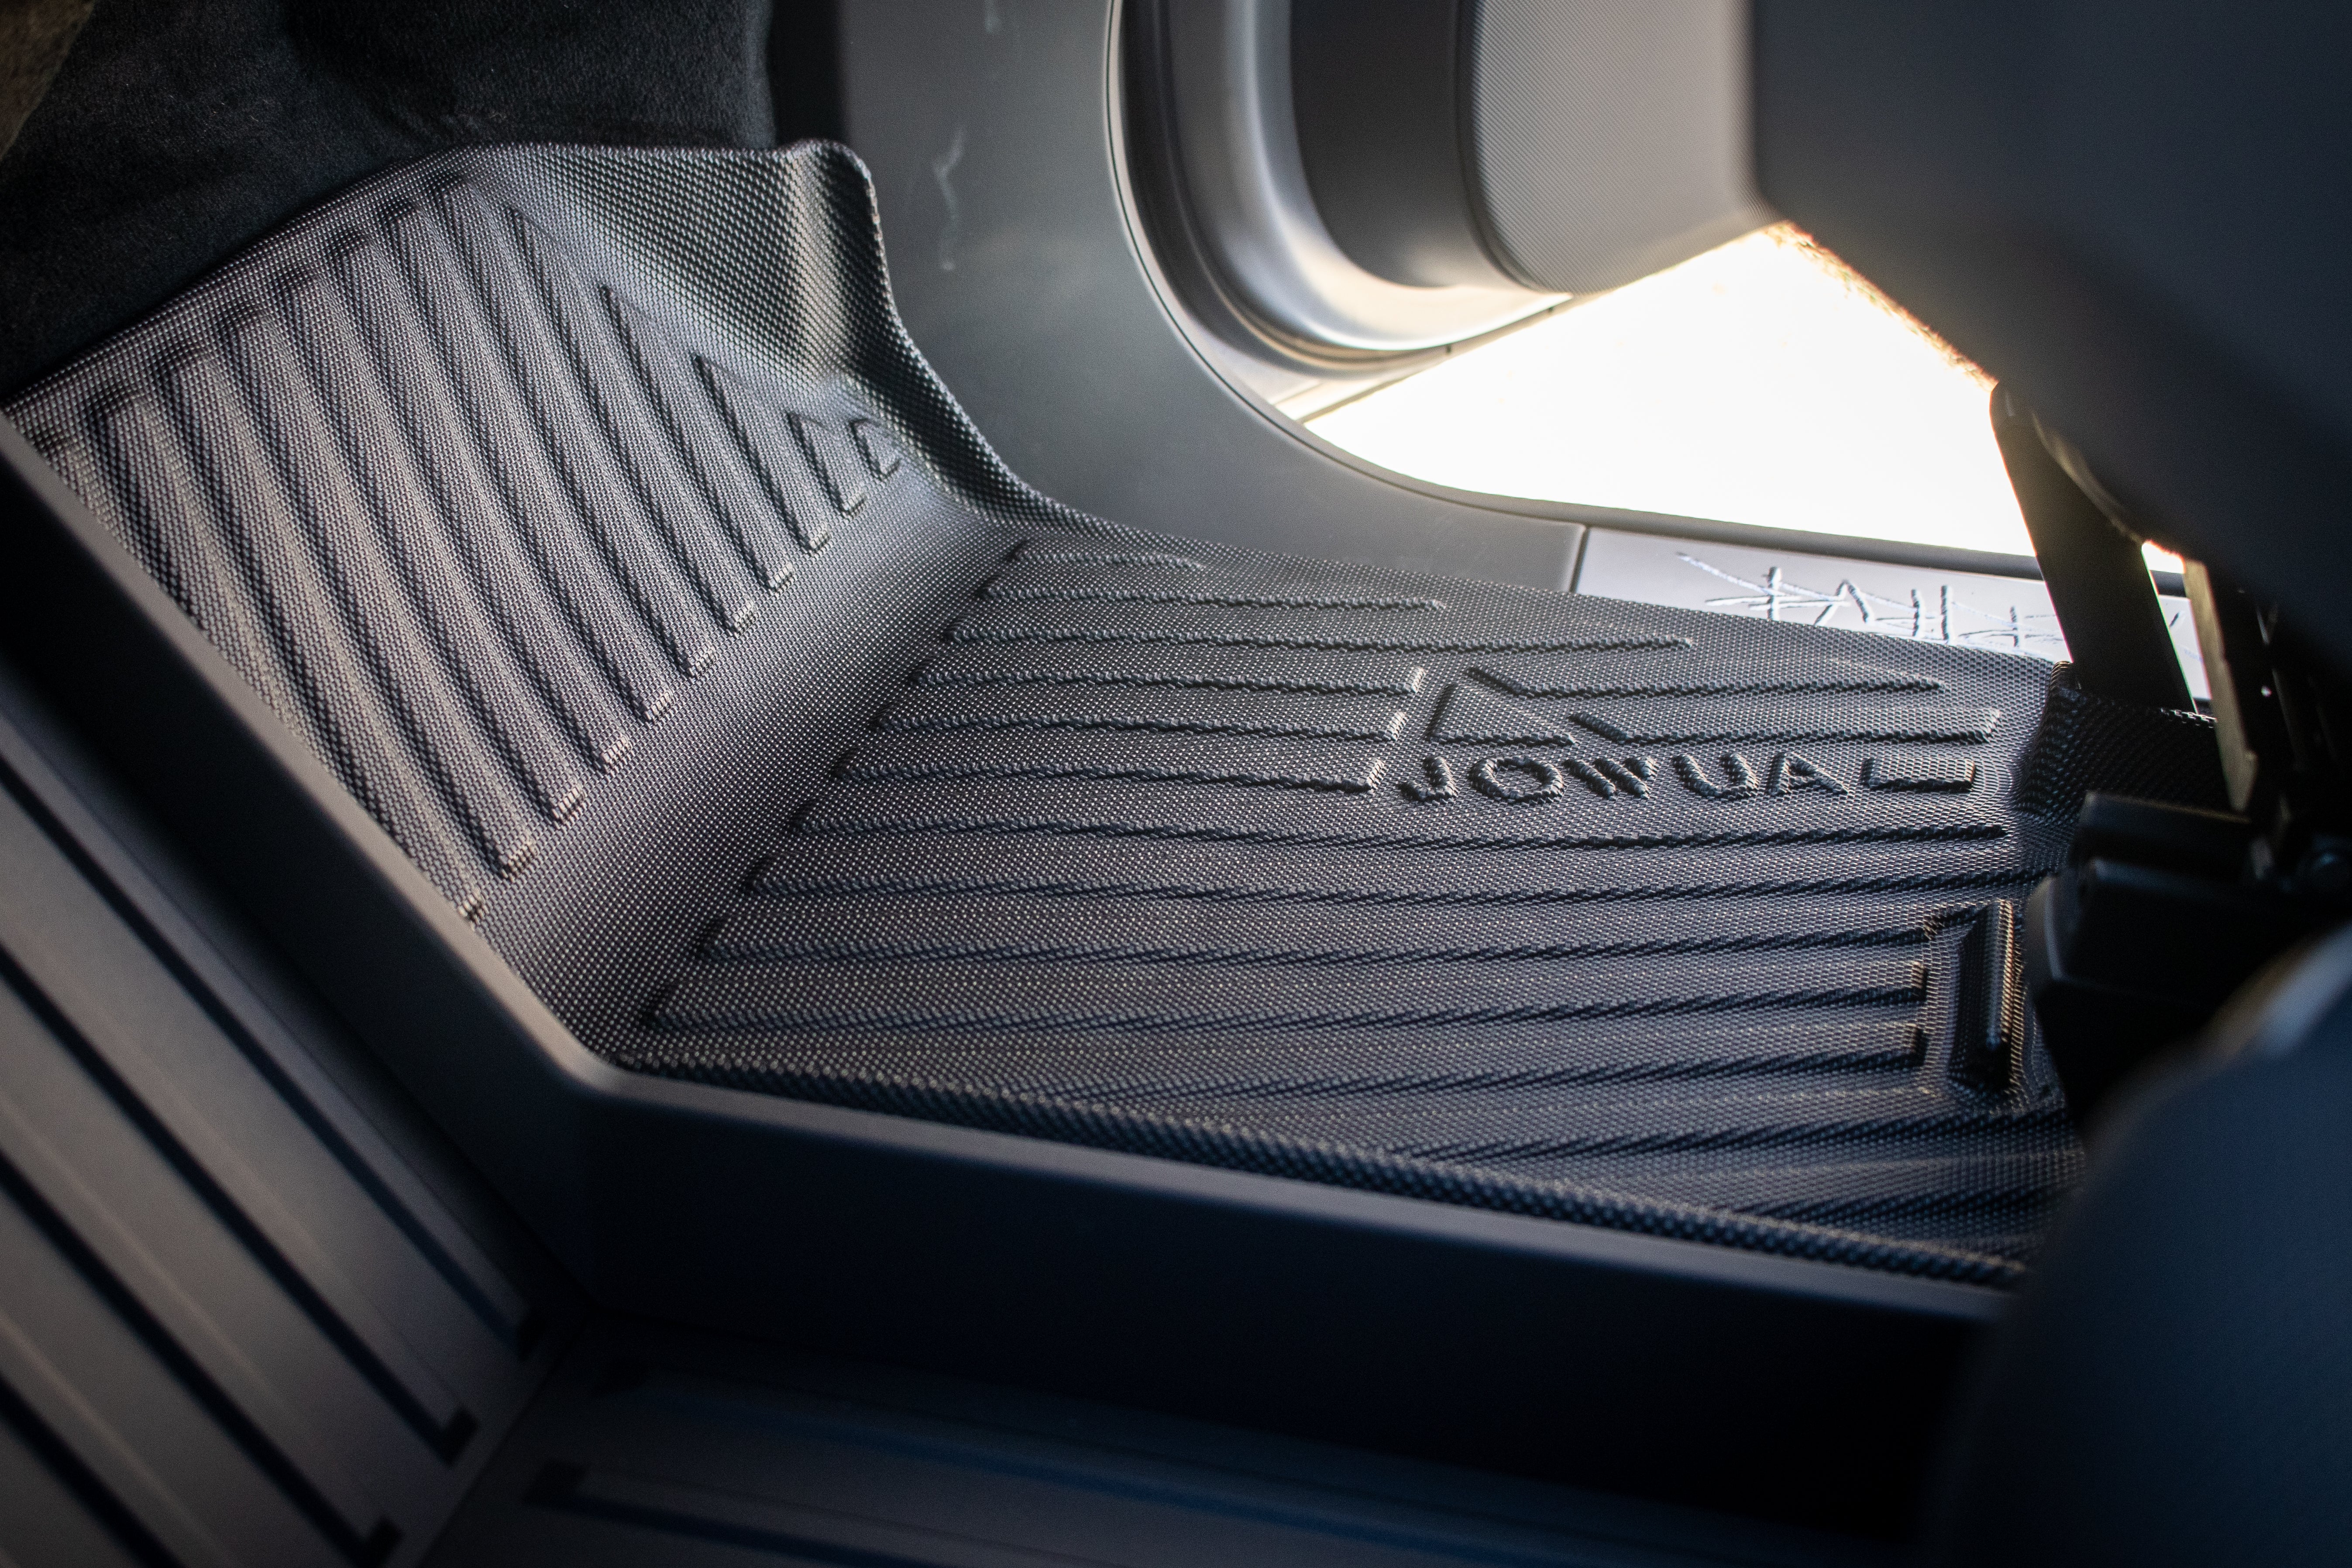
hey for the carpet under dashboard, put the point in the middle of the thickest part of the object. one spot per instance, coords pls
(589, 514)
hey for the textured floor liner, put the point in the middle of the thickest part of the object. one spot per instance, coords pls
(590, 514)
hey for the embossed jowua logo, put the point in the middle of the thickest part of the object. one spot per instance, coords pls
(1526, 780)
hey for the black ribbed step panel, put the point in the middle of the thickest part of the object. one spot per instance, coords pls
(591, 517)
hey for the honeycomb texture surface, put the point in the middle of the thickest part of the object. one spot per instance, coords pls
(591, 516)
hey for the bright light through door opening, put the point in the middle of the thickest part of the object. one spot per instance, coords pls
(1761, 383)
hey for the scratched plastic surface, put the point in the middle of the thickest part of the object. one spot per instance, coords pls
(591, 516)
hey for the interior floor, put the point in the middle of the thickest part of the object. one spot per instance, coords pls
(671, 617)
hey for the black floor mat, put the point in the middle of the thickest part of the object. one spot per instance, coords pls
(590, 514)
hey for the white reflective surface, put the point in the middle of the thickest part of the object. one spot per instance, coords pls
(1761, 383)
(2012, 615)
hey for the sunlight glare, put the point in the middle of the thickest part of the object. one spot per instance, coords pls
(1761, 383)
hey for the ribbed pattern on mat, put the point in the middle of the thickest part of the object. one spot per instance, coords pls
(465, 518)
(592, 517)
(1270, 864)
